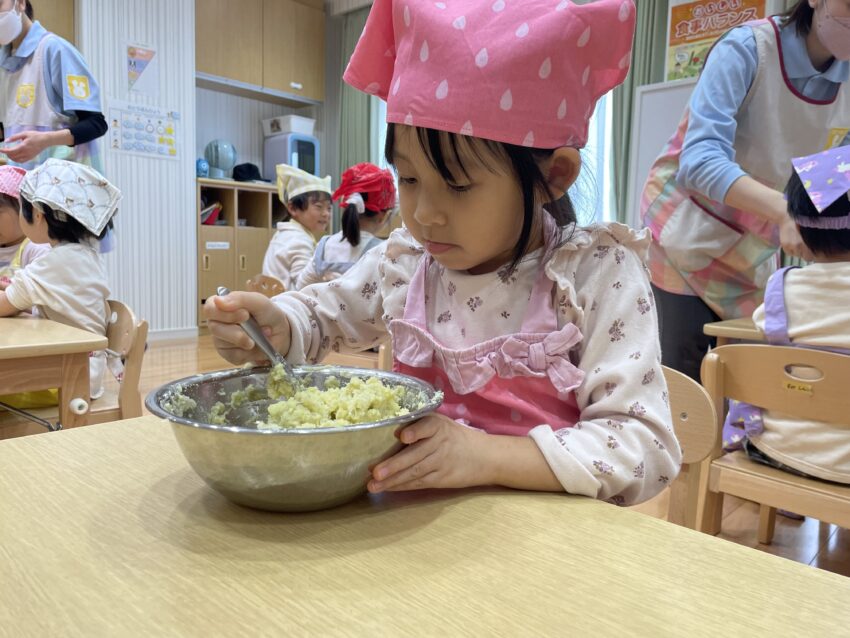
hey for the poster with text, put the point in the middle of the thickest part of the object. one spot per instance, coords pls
(144, 130)
(142, 70)
(693, 28)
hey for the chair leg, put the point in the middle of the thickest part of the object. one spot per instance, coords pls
(712, 513)
(767, 524)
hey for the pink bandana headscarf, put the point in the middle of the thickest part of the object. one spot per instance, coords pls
(525, 72)
(10, 180)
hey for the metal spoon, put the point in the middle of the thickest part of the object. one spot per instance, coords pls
(253, 330)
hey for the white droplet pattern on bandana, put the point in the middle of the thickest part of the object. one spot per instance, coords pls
(466, 129)
(584, 38)
(625, 11)
(482, 58)
(408, 119)
(627, 59)
(373, 88)
(499, 5)
(562, 109)
(440, 5)
(529, 139)
(406, 16)
(507, 101)
(562, 5)
(585, 76)
(423, 51)
(459, 23)
(545, 69)
(523, 30)
(396, 86)
(443, 90)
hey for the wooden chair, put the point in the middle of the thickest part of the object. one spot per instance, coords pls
(695, 425)
(127, 338)
(797, 382)
(265, 285)
(380, 360)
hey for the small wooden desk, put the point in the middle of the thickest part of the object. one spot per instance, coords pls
(108, 532)
(742, 329)
(36, 354)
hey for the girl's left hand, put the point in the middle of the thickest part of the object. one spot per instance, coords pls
(440, 453)
(30, 144)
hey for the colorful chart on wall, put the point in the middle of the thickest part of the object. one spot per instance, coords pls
(143, 130)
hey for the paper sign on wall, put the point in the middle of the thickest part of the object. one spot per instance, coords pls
(693, 28)
(143, 130)
(142, 70)
(218, 245)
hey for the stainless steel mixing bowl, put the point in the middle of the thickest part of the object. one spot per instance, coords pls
(289, 470)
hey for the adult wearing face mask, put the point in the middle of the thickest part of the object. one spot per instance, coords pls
(49, 101)
(771, 90)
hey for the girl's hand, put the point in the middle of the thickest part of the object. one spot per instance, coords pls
(439, 453)
(5, 282)
(224, 314)
(791, 241)
(30, 144)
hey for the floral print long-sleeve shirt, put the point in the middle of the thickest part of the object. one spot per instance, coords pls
(623, 448)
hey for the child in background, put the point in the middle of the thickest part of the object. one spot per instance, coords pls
(368, 194)
(16, 250)
(308, 200)
(807, 307)
(541, 334)
(69, 206)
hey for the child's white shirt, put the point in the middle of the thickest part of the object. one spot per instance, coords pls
(30, 253)
(816, 302)
(289, 252)
(69, 285)
(337, 249)
(623, 448)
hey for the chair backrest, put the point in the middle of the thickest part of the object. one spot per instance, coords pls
(694, 418)
(797, 382)
(127, 338)
(265, 285)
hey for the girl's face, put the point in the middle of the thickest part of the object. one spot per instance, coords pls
(316, 216)
(10, 228)
(473, 225)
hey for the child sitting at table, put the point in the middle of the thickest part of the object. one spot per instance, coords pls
(69, 206)
(367, 196)
(806, 306)
(308, 201)
(16, 250)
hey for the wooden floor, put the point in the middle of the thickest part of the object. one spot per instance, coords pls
(809, 541)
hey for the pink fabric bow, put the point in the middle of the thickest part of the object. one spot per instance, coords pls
(470, 369)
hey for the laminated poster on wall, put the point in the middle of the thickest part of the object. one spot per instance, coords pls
(693, 28)
(142, 70)
(144, 130)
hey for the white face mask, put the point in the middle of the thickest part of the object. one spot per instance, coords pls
(11, 24)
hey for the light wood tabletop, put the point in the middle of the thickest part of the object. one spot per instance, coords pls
(30, 337)
(106, 531)
(38, 354)
(743, 329)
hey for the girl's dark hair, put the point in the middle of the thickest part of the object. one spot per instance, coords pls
(351, 221)
(9, 201)
(305, 200)
(800, 16)
(442, 148)
(70, 231)
(821, 241)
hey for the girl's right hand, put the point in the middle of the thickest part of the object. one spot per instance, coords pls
(224, 314)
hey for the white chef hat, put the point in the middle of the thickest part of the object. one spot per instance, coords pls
(292, 182)
(74, 190)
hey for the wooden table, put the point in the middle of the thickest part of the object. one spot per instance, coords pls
(106, 531)
(742, 329)
(36, 354)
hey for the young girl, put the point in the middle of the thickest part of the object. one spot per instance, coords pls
(308, 200)
(542, 335)
(69, 206)
(16, 250)
(369, 195)
(806, 306)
